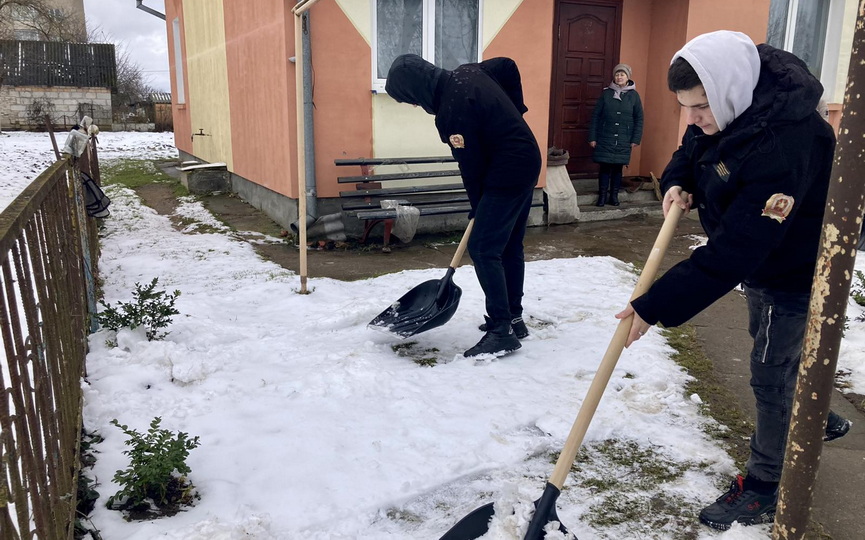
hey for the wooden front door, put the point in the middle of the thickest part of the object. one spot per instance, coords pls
(586, 50)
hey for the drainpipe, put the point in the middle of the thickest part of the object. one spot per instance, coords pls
(309, 146)
(329, 226)
(140, 5)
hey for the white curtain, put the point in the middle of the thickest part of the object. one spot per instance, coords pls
(456, 33)
(400, 31)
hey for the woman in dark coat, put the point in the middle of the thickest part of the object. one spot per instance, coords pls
(617, 126)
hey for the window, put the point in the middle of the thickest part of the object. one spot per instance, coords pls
(799, 26)
(178, 62)
(445, 32)
(27, 35)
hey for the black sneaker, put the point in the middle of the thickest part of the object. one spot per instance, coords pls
(738, 504)
(496, 344)
(519, 327)
(836, 427)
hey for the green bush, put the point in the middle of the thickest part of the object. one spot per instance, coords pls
(155, 457)
(150, 308)
(857, 288)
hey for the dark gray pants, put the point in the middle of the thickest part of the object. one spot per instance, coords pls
(777, 323)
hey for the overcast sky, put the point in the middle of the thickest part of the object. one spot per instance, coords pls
(140, 33)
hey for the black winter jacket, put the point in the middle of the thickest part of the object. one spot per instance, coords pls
(480, 116)
(780, 146)
(616, 124)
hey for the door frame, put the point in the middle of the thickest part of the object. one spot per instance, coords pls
(619, 7)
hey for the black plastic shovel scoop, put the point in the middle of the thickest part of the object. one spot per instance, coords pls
(476, 523)
(427, 306)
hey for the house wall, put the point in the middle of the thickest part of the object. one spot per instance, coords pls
(352, 121)
(233, 50)
(661, 110)
(14, 101)
(180, 111)
(526, 36)
(673, 23)
(262, 112)
(73, 8)
(341, 57)
(207, 74)
(634, 51)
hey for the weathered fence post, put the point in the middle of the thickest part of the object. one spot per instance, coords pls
(829, 297)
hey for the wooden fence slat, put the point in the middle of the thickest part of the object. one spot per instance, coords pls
(50, 63)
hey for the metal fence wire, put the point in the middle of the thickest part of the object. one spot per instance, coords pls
(47, 269)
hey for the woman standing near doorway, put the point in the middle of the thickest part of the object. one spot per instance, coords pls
(617, 127)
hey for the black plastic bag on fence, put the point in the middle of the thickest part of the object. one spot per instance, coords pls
(95, 199)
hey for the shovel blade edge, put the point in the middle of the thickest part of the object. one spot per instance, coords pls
(420, 309)
(474, 525)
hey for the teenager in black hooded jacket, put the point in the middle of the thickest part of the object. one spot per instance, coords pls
(478, 112)
(755, 159)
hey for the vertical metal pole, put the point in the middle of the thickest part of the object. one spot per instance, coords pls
(841, 227)
(301, 168)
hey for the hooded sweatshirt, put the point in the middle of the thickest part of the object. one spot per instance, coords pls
(729, 90)
(759, 185)
(478, 112)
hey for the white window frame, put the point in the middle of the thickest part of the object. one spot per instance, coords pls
(180, 99)
(832, 47)
(831, 44)
(428, 45)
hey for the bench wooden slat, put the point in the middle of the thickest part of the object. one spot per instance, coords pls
(396, 176)
(401, 191)
(394, 161)
(390, 213)
(375, 205)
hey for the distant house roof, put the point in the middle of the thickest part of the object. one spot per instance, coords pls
(160, 97)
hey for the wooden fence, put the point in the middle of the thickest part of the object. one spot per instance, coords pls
(51, 63)
(47, 268)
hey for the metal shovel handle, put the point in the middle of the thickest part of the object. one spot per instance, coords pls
(614, 350)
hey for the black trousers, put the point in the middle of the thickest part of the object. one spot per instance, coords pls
(496, 248)
(610, 177)
(777, 323)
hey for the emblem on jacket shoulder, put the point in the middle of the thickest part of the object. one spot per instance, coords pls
(778, 207)
(457, 141)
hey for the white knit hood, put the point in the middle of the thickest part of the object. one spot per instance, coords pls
(728, 65)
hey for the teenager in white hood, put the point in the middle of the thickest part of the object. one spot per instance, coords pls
(755, 159)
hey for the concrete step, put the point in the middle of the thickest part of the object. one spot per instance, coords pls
(591, 197)
(635, 208)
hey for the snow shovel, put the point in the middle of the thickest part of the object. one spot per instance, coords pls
(427, 306)
(476, 523)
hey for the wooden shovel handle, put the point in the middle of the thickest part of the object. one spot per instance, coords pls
(614, 350)
(464, 243)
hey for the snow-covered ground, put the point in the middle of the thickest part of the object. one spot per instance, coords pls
(24, 155)
(313, 426)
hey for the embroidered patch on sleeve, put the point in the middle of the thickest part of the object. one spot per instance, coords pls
(778, 207)
(457, 141)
